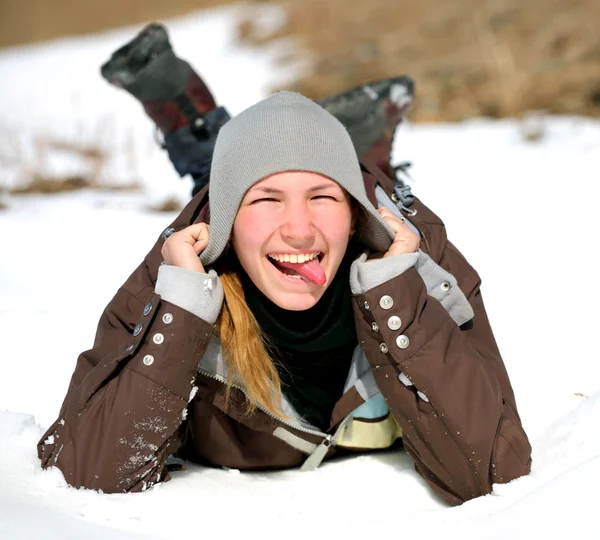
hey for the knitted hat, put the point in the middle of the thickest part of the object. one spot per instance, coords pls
(285, 132)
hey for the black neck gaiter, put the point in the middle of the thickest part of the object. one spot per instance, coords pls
(312, 349)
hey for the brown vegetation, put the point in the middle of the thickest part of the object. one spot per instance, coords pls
(170, 204)
(40, 184)
(26, 21)
(45, 185)
(33, 178)
(468, 57)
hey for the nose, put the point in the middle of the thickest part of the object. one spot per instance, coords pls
(298, 227)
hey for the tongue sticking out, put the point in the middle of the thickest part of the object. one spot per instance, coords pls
(310, 270)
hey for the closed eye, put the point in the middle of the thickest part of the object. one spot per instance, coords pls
(265, 199)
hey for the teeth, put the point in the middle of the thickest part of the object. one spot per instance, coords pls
(294, 258)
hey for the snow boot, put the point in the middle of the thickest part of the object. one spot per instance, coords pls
(371, 113)
(174, 97)
(184, 109)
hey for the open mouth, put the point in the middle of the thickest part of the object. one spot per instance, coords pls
(301, 266)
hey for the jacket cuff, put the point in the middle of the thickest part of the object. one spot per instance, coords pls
(200, 294)
(442, 285)
(365, 275)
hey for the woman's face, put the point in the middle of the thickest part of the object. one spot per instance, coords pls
(290, 235)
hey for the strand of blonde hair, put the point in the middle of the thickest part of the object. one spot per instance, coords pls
(244, 350)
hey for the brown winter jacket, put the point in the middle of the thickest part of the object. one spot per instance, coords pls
(138, 395)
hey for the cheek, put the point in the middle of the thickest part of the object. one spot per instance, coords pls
(249, 229)
(337, 225)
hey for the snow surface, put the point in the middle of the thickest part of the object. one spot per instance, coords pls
(523, 213)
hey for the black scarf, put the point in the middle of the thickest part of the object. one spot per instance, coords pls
(312, 348)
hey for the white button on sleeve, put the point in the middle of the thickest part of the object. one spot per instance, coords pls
(402, 341)
(386, 302)
(394, 322)
(148, 359)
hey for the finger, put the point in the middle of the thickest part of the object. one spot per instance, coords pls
(387, 213)
(200, 245)
(396, 223)
(194, 233)
(197, 230)
(202, 239)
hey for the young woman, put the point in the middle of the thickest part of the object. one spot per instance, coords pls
(291, 321)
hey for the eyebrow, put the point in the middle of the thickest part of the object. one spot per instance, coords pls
(274, 191)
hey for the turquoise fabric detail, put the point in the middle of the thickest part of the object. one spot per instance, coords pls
(376, 407)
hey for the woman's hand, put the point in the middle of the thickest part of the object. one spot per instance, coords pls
(405, 240)
(183, 247)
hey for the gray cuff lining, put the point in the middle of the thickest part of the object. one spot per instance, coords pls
(453, 299)
(365, 275)
(200, 294)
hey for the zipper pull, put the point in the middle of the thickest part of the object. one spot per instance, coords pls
(317, 455)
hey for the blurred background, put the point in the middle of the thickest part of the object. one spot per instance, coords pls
(470, 57)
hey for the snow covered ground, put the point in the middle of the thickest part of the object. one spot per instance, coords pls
(523, 213)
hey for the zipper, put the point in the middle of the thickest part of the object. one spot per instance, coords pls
(318, 454)
(316, 457)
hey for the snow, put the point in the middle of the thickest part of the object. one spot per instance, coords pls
(523, 213)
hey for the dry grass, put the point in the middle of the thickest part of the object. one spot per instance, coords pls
(46, 185)
(168, 205)
(468, 57)
(26, 21)
(34, 168)
(40, 184)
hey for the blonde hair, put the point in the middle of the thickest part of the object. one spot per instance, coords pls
(244, 347)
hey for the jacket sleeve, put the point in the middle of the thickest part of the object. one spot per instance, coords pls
(444, 379)
(128, 395)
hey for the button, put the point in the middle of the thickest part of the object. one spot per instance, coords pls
(167, 318)
(394, 323)
(383, 348)
(404, 379)
(386, 302)
(168, 232)
(375, 327)
(402, 341)
(147, 308)
(367, 306)
(158, 338)
(148, 359)
(137, 330)
(445, 286)
(422, 396)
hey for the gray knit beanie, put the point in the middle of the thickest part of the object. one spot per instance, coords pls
(285, 132)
